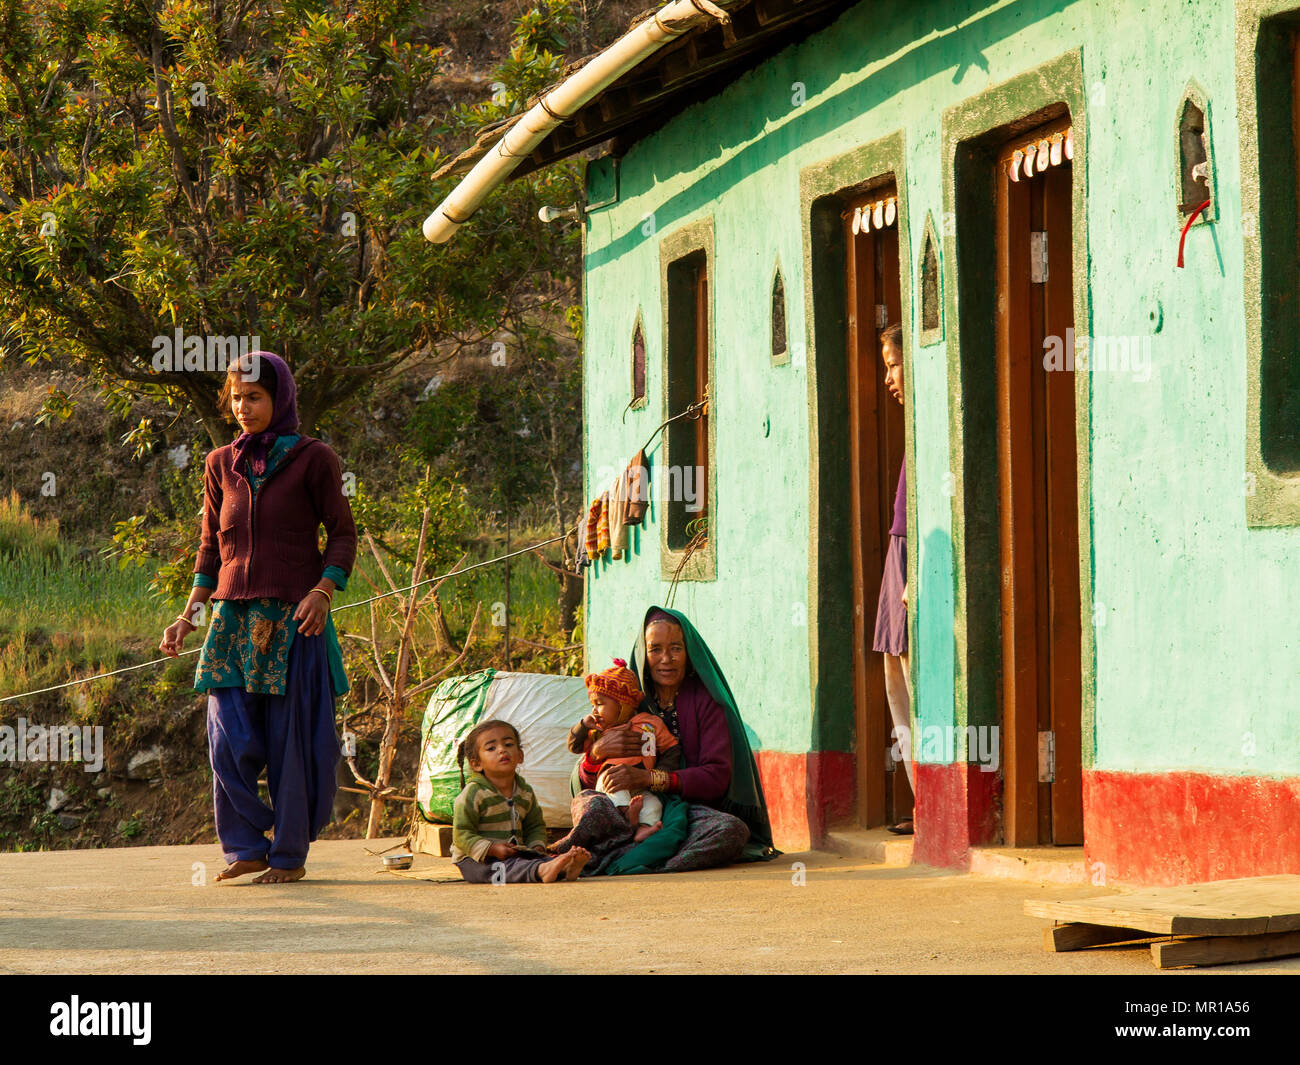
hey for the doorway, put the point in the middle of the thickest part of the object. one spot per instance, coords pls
(1040, 691)
(876, 455)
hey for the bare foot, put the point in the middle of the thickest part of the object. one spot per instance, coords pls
(578, 857)
(634, 809)
(550, 872)
(241, 868)
(280, 876)
(646, 830)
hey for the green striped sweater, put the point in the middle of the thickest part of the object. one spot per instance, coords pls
(484, 816)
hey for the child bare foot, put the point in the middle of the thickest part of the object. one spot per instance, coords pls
(647, 830)
(241, 868)
(281, 876)
(550, 872)
(578, 858)
(634, 809)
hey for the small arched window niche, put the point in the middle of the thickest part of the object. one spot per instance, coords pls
(1195, 156)
(930, 286)
(780, 344)
(638, 365)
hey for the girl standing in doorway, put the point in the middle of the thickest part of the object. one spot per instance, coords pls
(891, 614)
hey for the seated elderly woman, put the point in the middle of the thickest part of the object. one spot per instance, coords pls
(714, 812)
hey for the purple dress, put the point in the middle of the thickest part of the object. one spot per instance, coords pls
(891, 615)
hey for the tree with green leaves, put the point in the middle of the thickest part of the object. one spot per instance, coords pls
(177, 176)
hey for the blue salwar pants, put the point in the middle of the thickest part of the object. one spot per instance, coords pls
(293, 737)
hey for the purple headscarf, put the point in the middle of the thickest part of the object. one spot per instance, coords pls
(284, 413)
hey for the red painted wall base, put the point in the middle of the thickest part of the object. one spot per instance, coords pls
(805, 793)
(1186, 828)
(957, 807)
(1139, 828)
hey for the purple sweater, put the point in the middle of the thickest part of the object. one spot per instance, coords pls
(705, 742)
(899, 528)
(268, 550)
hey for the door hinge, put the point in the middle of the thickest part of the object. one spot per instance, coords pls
(891, 763)
(882, 316)
(1038, 257)
(1047, 757)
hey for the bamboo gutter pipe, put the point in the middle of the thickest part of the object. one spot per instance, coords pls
(561, 103)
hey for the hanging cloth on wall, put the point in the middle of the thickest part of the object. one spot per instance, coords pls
(618, 516)
(1036, 155)
(627, 503)
(602, 524)
(583, 559)
(638, 492)
(879, 214)
(591, 538)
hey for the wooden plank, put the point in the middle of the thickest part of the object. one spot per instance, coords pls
(1064, 937)
(875, 444)
(867, 676)
(430, 839)
(1222, 950)
(1249, 906)
(1033, 487)
(1062, 613)
(1015, 516)
(703, 356)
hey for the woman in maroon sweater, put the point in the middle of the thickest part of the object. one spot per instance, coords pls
(270, 663)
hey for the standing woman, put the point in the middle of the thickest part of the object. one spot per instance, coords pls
(271, 663)
(891, 612)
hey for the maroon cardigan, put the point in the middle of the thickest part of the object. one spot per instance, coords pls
(268, 549)
(705, 741)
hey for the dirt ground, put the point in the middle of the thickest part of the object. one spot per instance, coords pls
(139, 910)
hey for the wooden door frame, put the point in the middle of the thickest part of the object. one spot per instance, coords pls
(872, 717)
(973, 134)
(1030, 808)
(823, 188)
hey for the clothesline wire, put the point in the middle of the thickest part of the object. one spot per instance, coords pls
(335, 610)
(689, 412)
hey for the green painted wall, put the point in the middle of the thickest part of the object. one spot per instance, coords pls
(1198, 656)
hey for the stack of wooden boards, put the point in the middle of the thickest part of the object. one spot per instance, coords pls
(1197, 924)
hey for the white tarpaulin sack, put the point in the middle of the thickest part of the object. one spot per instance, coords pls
(541, 706)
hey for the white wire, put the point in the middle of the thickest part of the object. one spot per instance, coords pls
(345, 606)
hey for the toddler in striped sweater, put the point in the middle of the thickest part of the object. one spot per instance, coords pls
(498, 835)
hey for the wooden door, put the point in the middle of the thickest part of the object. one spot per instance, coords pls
(1038, 507)
(875, 458)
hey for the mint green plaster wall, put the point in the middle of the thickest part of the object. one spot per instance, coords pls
(1196, 642)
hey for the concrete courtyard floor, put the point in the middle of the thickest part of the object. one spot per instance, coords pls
(139, 910)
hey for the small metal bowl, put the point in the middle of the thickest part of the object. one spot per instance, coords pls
(402, 860)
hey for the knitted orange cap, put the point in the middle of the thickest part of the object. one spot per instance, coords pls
(618, 682)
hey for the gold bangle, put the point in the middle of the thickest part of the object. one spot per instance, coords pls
(328, 597)
(658, 780)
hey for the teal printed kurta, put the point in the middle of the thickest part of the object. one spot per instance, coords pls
(248, 640)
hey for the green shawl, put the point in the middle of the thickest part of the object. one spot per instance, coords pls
(744, 797)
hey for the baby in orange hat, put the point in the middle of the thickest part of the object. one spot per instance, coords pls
(615, 696)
